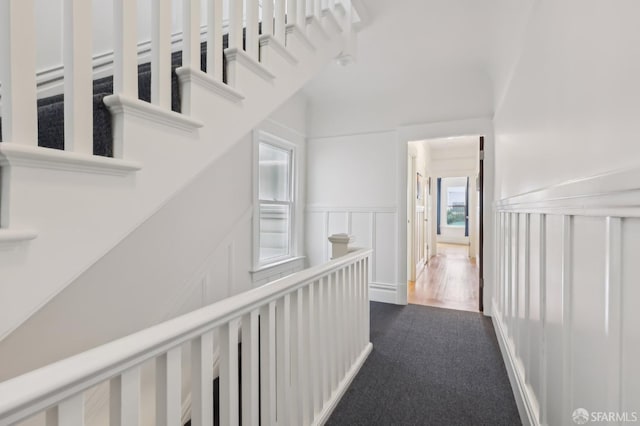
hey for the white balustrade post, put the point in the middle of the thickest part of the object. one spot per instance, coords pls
(18, 72)
(124, 399)
(292, 12)
(191, 34)
(295, 417)
(251, 42)
(229, 401)
(367, 318)
(283, 360)
(280, 29)
(214, 39)
(202, 379)
(78, 78)
(301, 12)
(235, 24)
(316, 335)
(317, 9)
(71, 411)
(168, 388)
(161, 53)
(125, 50)
(250, 369)
(324, 334)
(268, 364)
(267, 17)
(303, 357)
(340, 244)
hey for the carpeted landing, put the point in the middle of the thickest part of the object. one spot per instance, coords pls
(429, 366)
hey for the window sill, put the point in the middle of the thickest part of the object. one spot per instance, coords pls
(263, 272)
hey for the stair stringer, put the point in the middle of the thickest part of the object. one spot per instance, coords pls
(80, 213)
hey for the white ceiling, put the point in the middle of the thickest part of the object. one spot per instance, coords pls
(414, 50)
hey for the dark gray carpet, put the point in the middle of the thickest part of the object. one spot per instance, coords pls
(429, 366)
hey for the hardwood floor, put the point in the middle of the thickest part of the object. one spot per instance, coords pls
(450, 280)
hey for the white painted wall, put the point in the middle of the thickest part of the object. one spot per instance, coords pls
(351, 187)
(195, 250)
(569, 111)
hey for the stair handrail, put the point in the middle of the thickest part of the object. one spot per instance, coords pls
(35, 391)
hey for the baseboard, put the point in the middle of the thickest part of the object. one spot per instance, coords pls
(330, 405)
(381, 292)
(524, 400)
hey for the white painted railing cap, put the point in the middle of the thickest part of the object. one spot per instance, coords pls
(342, 238)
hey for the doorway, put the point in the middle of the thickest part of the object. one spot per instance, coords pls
(444, 223)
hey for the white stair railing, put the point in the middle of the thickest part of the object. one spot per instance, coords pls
(303, 339)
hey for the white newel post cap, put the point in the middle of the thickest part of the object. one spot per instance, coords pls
(340, 244)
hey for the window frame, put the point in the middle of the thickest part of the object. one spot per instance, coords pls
(448, 205)
(260, 136)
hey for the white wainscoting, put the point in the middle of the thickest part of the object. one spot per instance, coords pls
(373, 227)
(566, 301)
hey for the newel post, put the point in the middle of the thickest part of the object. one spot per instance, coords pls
(340, 244)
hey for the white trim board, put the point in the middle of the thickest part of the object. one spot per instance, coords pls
(524, 399)
(616, 193)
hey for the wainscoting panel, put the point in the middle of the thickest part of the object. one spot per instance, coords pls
(566, 300)
(372, 227)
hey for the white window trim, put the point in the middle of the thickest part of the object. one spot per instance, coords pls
(262, 136)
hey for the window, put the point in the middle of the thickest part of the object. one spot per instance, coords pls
(456, 205)
(275, 201)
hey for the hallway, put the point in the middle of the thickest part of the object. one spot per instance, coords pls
(429, 367)
(450, 280)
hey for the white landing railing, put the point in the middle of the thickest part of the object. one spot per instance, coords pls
(303, 338)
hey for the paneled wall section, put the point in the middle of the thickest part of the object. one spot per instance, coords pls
(372, 227)
(565, 302)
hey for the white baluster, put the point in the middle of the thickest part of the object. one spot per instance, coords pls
(229, 401)
(292, 12)
(367, 318)
(191, 34)
(316, 347)
(78, 78)
(323, 302)
(235, 24)
(301, 12)
(304, 357)
(334, 326)
(313, 350)
(251, 42)
(18, 72)
(345, 320)
(268, 364)
(250, 369)
(350, 315)
(125, 59)
(317, 9)
(71, 411)
(202, 380)
(280, 28)
(51, 416)
(168, 387)
(214, 39)
(363, 301)
(295, 417)
(283, 362)
(267, 17)
(161, 53)
(124, 399)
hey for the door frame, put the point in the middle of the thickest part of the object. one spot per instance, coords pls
(422, 131)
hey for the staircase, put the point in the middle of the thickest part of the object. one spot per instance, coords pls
(125, 144)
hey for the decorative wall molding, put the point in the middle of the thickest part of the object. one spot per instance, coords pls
(343, 209)
(610, 194)
(17, 155)
(204, 80)
(232, 54)
(564, 260)
(119, 105)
